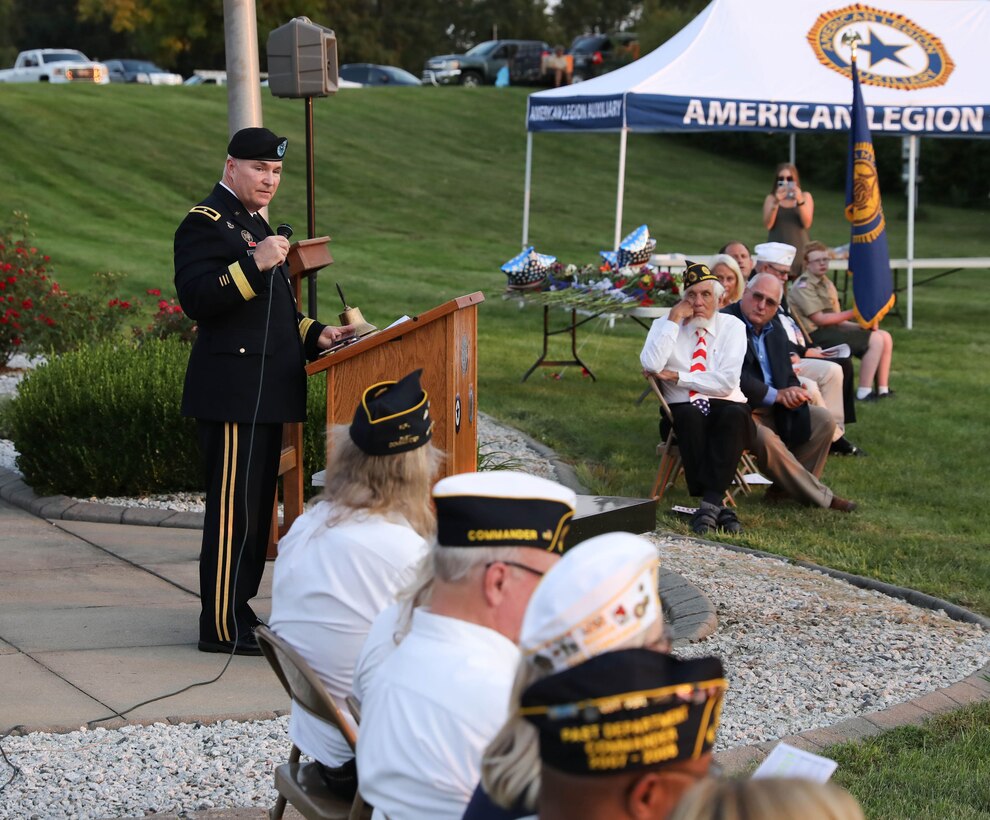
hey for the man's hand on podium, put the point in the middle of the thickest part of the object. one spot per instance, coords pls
(332, 335)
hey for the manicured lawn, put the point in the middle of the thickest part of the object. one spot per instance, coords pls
(915, 771)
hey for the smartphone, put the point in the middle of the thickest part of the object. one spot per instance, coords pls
(790, 190)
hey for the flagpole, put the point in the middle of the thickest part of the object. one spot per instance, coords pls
(526, 188)
(869, 255)
(912, 186)
(621, 192)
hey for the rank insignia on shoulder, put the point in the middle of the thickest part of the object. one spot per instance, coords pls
(206, 211)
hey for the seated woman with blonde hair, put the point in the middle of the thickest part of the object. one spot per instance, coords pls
(613, 573)
(730, 275)
(770, 798)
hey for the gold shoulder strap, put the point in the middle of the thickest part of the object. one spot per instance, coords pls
(206, 211)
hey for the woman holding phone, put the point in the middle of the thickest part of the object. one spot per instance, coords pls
(788, 212)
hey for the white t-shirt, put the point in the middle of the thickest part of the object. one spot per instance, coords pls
(432, 707)
(328, 586)
(379, 644)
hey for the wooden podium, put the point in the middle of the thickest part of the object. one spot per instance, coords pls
(444, 343)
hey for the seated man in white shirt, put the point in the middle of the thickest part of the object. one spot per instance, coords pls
(345, 558)
(443, 693)
(696, 353)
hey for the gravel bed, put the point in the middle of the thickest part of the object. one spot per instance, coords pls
(801, 649)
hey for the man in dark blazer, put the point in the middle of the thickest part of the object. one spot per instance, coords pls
(245, 376)
(792, 437)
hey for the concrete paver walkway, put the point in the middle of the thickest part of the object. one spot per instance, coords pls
(97, 617)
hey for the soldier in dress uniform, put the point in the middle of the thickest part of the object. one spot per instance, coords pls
(245, 377)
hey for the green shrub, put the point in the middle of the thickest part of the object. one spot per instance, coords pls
(104, 420)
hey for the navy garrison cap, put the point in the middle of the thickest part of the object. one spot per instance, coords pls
(257, 143)
(503, 508)
(393, 417)
(626, 710)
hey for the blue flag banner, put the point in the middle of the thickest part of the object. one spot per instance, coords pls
(869, 258)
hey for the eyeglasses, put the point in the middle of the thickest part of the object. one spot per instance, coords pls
(780, 271)
(535, 572)
(759, 297)
(817, 260)
(785, 179)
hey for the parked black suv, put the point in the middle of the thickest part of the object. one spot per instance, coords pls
(480, 65)
(596, 54)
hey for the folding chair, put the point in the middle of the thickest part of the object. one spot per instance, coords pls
(355, 706)
(671, 465)
(301, 783)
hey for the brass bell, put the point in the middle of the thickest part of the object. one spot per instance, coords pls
(352, 316)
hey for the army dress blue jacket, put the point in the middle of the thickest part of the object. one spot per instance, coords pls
(220, 287)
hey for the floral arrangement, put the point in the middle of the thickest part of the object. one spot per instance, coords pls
(624, 280)
(606, 287)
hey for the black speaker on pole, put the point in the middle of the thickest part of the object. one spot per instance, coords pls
(302, 60)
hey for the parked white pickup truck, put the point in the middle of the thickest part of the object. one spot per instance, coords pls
(55, 65)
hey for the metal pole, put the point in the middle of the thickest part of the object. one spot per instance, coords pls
(912, 196)
(620, 193)
(310, 203)
(793, 148)
(526, 186)
(240, 35)
(240, 29)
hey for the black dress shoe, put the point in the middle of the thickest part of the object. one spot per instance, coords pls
(246, 645)
(888, 395)
(844, 447)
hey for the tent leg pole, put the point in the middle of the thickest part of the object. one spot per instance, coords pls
(621, 188)
(529, 177)
(912, 188)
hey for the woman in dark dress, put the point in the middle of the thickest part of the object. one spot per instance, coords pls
(788, 212)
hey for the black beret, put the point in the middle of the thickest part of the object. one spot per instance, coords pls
(257, 143)
(626, 710)
(696, 272)
(393, 417)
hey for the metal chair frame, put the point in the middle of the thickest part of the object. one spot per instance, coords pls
(301, 784)
(671, 465)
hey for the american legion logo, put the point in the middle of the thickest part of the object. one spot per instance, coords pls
(894, 51)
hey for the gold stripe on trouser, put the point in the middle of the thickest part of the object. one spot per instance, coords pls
(226, 528)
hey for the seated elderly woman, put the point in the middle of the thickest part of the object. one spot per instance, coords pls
(729, 274)
(345, 559)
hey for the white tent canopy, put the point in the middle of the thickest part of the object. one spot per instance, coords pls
(783, 66)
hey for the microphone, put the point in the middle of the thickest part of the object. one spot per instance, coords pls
(284, 230)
